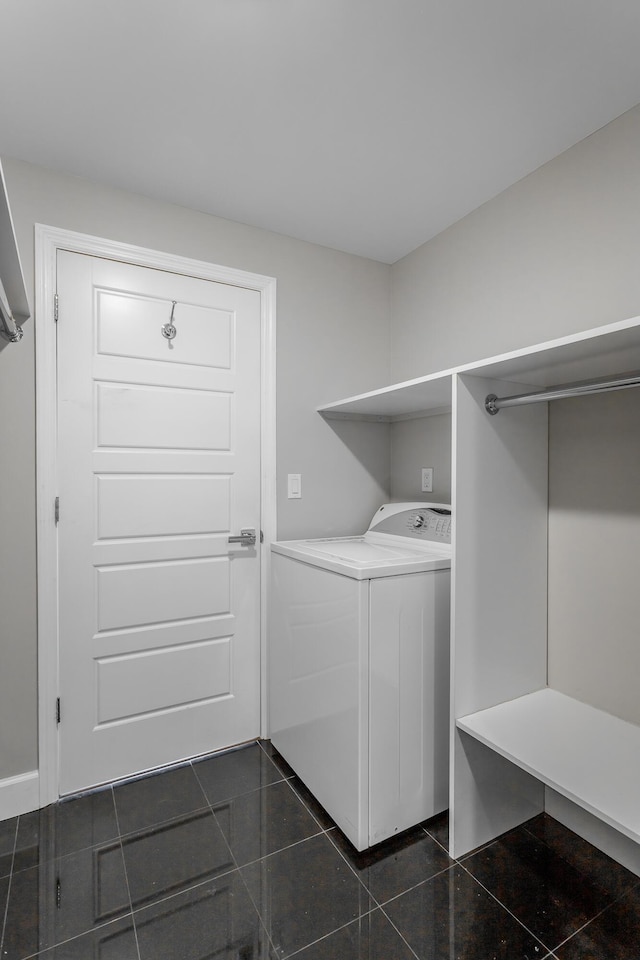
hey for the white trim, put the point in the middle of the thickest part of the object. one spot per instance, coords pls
(48, 240)
(19, 794)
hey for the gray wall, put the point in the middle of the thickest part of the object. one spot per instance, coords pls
(594, 546)
(555, 254)
(328, 305)
(423, 442)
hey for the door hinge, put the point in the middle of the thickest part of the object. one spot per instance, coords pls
(55, 308)
(56, 510)
(57, 709)
(261, 537)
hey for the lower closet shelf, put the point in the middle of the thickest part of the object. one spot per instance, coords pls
(585, 754)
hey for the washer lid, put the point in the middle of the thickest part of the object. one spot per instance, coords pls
(402, 538)
(362, 550)
(368, 557)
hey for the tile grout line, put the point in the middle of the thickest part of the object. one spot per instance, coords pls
(170, 896)
(126, 872)
(401, 935)
(440, 844)
(506, 909)
(342, 926)
(6, 906)
(83, 933)
(438, 873)
(244, 882)
(594, 917)
(351, 867)
(163, 823)
(308, 808)
(274, 853)
(257, 909)
(538, 839)
(244, 793)
(238, 869)
(378, 903)
(268, 856)
(321, 832)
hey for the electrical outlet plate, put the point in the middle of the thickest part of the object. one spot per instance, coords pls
(427, 479)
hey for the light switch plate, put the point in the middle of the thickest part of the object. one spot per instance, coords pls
(294, 486)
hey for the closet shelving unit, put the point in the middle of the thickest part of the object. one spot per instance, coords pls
(512, 736)
(14, 306)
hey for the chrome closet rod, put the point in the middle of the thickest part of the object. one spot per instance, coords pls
(493, 403)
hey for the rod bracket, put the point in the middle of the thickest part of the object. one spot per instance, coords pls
(490, 404)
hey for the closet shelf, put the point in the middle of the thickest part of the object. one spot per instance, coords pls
(14, 305)
(585, 754)
(600, 352)
(425, 396)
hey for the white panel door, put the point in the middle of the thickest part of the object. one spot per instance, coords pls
(159, 463)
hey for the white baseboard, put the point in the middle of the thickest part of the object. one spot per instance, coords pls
(590, 828)
(19, 794)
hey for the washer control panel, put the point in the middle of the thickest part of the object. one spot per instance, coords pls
(420, 521)
(433, 523)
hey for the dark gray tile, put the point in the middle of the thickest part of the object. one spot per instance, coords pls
(551, 896)
(174, 856)
(7, 843)
(304, 893)
(452, 916)
(264, 821)
(371, 937)
(395, 865)
(61, 899)
(114, 941)
(613, 935)
(214, 920)
(318, 811)
(4, 890)
(161, 796)
(285, 769)
(232, 774)
(585, 858)
(65, 827)
(438, 828)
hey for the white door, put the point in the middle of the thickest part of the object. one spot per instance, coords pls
(159, 463)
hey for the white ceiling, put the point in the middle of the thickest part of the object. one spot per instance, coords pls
(364, 125)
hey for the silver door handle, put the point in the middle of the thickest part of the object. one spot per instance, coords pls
(247, 537)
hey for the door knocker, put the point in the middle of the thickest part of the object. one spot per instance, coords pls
(168, 329)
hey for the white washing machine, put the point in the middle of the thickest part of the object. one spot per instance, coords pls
(359, 669)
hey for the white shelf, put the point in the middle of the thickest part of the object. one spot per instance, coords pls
(584, 754)
(12, 285)
(415, 398)
(599, 352)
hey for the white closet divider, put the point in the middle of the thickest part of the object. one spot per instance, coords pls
(499, 601)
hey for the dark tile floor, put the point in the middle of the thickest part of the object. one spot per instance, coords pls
(231, 857)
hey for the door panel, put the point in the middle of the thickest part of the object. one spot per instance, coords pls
(159, 463)
(169, 676)
(149, 418)
(132, 506)
(127, 327)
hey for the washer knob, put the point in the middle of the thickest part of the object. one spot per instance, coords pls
(417, 521)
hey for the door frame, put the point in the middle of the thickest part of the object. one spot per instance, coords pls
(48, 240)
